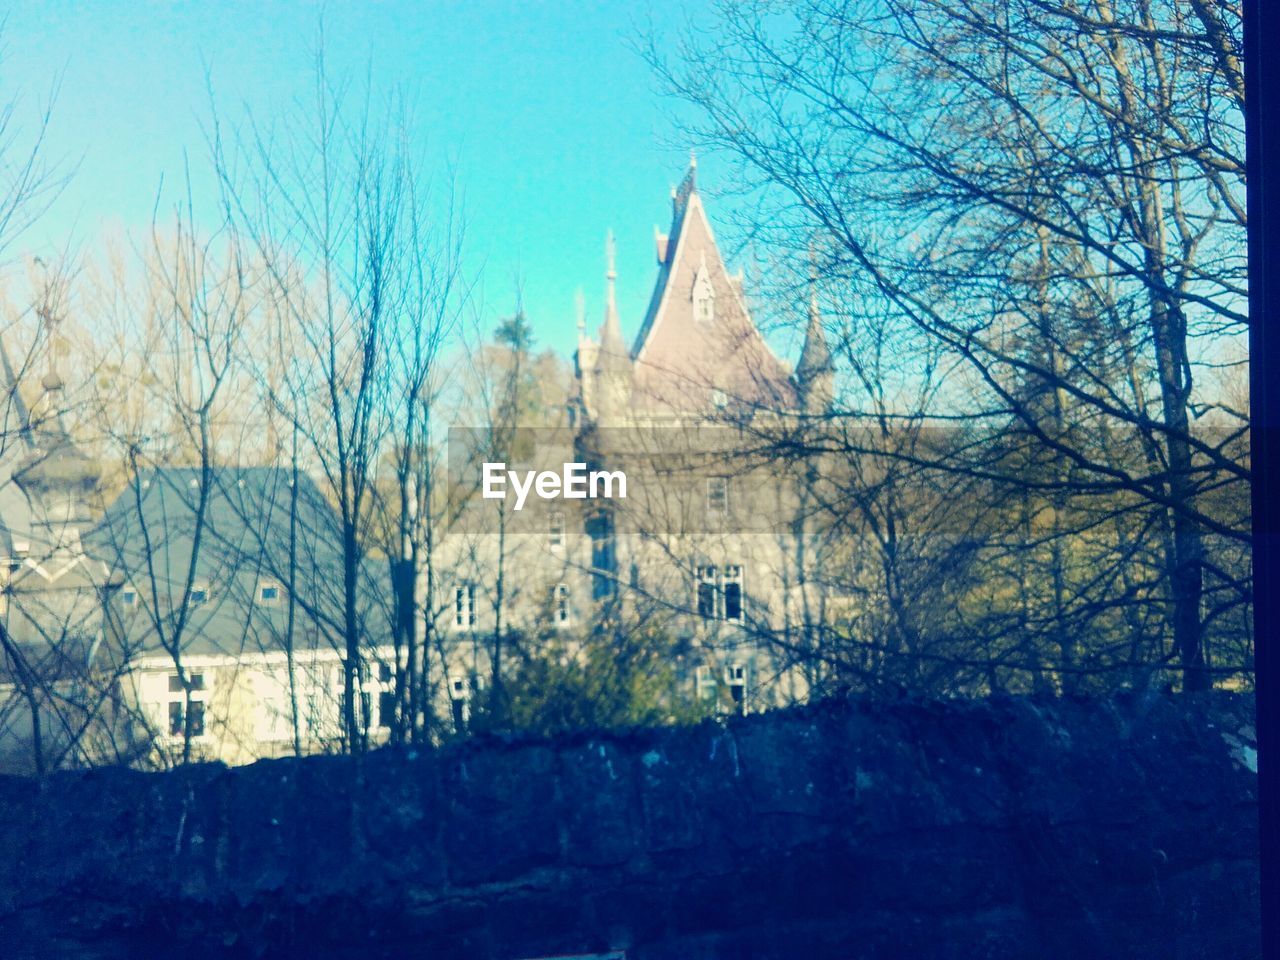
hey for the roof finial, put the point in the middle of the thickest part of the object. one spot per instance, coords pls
(612, 349)
(580, 303)
(693, 159)
(813, 278)
(51, 320)
(611, 275)
(815, 367)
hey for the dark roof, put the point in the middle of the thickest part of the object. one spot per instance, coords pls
(230, 533)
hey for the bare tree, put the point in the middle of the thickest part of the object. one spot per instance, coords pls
(1054, 195)
(326, 195)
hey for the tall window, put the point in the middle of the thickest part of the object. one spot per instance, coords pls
(706, 587)
(718, 495)
(719, 592)
(555, 529)
(731, 585)
(178, 705)
(464, 606)
(365, 714)
(603, 561)
(460, 696)
(735, 675)
(704, 683)
(386, 708)
(386, 695)
(562, 613)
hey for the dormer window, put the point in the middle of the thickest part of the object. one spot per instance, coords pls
(704, 296)
(129, 597)
(268, 593)
(706, 308)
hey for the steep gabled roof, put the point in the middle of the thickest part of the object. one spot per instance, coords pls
(683, 359)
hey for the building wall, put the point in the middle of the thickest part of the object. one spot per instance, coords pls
(247, 710)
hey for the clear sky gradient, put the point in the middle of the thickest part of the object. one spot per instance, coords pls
(555, 125)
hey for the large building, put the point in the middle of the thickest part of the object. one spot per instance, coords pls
(202, 616)
(710, 541)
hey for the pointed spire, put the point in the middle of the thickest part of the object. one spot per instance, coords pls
(611, 333)
(580, 308)
(47, 413)
(613, 371)
(815, 357)
(813, 282)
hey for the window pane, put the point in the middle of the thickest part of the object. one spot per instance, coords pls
(706, 600)
(197, 718)
(732, 592)
(733, 601)
(717, 494)
(175, 718)
(603, 561)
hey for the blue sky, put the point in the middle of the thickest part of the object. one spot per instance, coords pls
(555, 126)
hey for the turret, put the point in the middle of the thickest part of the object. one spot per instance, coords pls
(815, 373)
(56, 476)
(613, 374)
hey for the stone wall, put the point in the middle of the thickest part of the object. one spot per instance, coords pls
(1004, 828)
